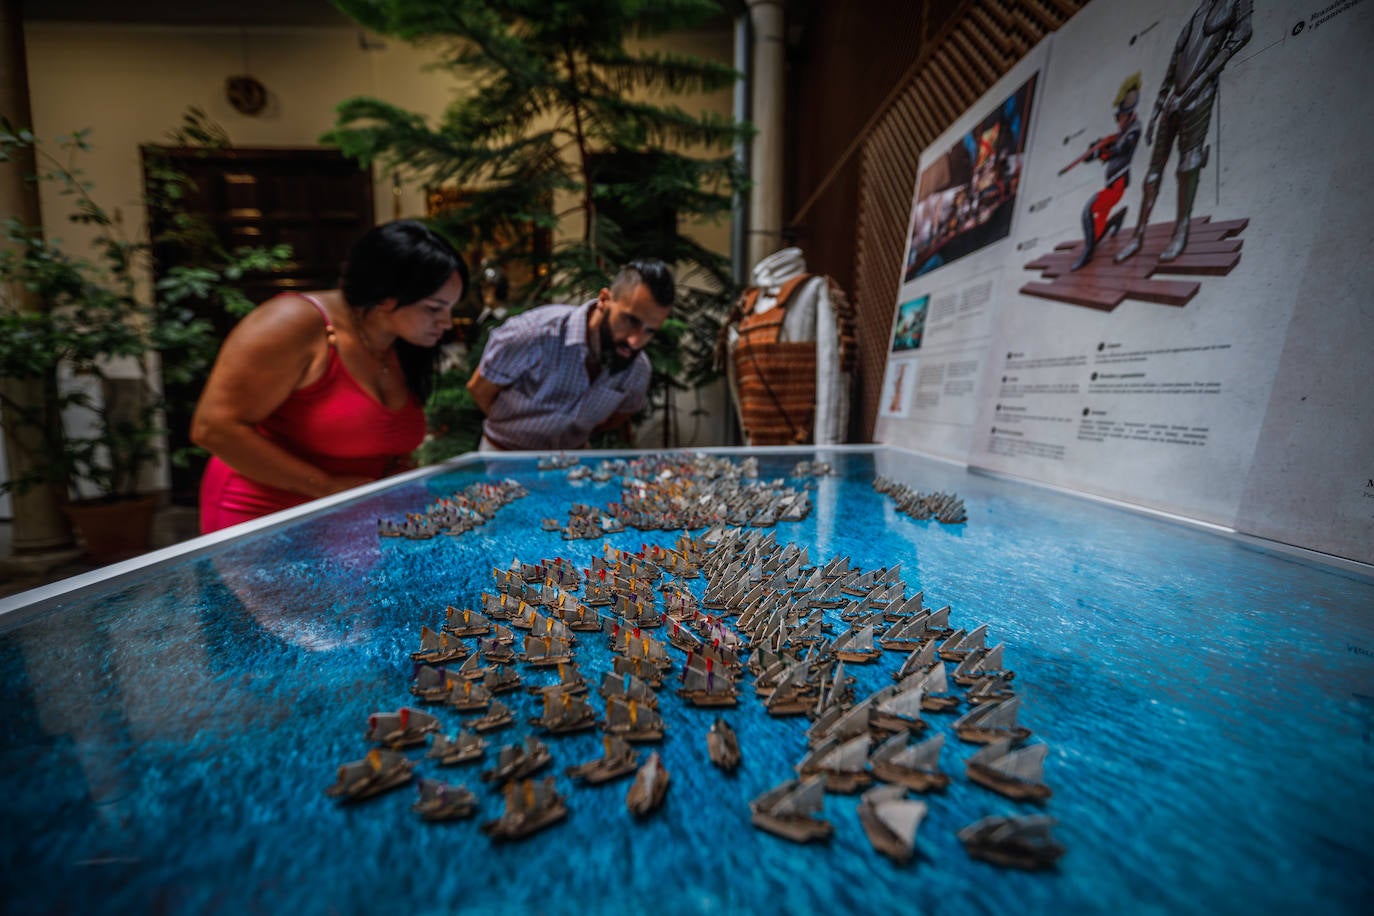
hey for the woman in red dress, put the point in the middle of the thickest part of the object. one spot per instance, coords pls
(314, 393)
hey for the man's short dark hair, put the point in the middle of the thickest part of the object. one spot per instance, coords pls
(653, 273)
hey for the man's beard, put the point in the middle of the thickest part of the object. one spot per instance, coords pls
(611, 360)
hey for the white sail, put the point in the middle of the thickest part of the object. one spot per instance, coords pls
(936, 681)
(991, 715)
(969, 666)
(903, 817)
(906, 704)
(992, 661)
(1025, 763)
(976, 639)
(849, 757)
(938, 618)
(863, 640)
(805, 799)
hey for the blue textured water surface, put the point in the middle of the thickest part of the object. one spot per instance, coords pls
(1209, 709)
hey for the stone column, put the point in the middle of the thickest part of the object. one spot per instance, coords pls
(40, 530)
(766, 155)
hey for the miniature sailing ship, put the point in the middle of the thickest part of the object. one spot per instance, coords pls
(618, 760)
(378, 771)
(437, 648)
(856, 646)
(468, 696)
(649, 788)
(643, 669)
(702, 685)
(916, 767)
(627, 686)
(498, 715)
(989, 690)
(722, 745)
(495, 651)
(570, 680)
(465, 747)
(790, 810)
(980, 666)
(1017, 773)
(404, 728)
(546, 651)
(440, 801)
(530, 807)
(1013, 842)
(564, 713)
(900, 712)
(432, 685)
(844, 764)
(991, 722)
(515, 761)
(935, 683)
(466, 622)
(891, 820)
(632, 721)
(957, 647)
(501, 679)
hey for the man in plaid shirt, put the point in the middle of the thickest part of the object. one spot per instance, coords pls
(552, 375)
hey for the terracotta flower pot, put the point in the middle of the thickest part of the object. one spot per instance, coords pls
(115, 530)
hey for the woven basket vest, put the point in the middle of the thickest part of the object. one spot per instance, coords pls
(777, 378)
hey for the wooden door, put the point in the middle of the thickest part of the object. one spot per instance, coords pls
(314, 200)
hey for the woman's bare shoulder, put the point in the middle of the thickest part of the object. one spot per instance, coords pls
(287, 318)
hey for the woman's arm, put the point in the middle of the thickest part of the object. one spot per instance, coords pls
(272, 352)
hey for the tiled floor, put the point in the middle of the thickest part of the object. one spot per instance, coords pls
(171, 525)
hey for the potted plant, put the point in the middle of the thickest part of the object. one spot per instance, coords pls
(86, 349)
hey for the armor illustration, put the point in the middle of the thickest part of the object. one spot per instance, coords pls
(1116, 151)
(1183, 111)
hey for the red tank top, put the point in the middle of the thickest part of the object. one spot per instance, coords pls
(333, 423)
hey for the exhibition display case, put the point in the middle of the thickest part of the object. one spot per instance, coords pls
(171, 727)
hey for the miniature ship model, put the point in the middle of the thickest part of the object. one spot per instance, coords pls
(856, 646)
(530, 807)
(991, 722)
(404, 728)
(498, 715)
(467, 746)
(432, 685)
(1016, 773)
(440, 801)
(844, 764)
(546, 651)
(915, 767)
(1013, 842)
(515, 761)
(649, 788)
(618, 760)
(899, 712)
(468, 696)
(466, 622)
(626, 686)
(378, 771)
(722, 745)
(632, 721)
(790, 810)
(437, 648)
(891, 820)
(565, 713)
(702, 685)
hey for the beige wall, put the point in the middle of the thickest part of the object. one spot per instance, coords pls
(131, 84)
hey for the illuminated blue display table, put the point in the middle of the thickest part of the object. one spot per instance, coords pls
(1208, 706)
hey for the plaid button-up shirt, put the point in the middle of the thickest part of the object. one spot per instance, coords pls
(539, 358)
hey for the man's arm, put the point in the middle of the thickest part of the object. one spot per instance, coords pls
(483, 391)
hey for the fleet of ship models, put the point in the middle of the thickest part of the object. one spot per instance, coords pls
(456, 514)
(762, 601)
(945, 508)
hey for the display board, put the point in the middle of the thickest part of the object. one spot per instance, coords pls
(1215, 374)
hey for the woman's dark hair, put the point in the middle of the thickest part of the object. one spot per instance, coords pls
(407, 261)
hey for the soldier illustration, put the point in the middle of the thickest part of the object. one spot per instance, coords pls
(1183, 111)
(1116, 150)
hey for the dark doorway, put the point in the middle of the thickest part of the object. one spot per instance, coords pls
(314, 200)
